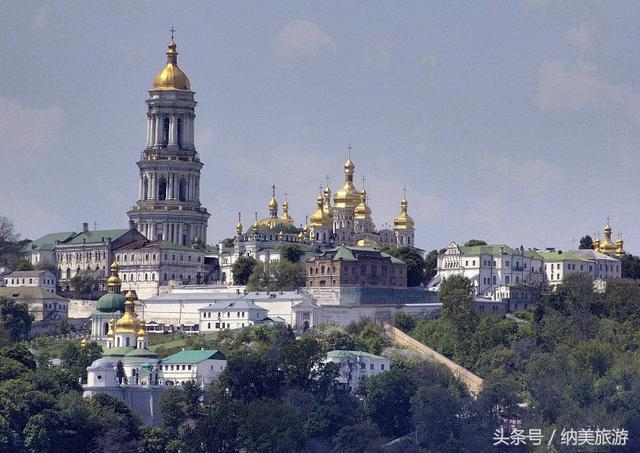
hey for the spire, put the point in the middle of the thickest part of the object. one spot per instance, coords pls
(113, 282)
(273, 203)
(171, 77)
(239, 226)
(404, 220)
(285, 210)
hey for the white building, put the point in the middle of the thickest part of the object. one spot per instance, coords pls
(355, 366)
(43, 279)
(232, 314)
(202, 366)
(43, 305)
(42, 250)
(558, 264)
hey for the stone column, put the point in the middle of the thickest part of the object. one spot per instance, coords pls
(172, 129)
(158, 130)
(140, 190)
(164, 231)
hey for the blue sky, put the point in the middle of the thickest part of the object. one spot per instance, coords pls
(514, 122)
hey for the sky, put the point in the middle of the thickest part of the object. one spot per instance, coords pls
(512, 122)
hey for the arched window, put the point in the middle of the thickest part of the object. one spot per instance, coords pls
(68, 273)
(162, 189)
(182, 189)
(165, 131)
(146, 277)
(145, 188)
(179, 132)
(105, 328)
(506, 279)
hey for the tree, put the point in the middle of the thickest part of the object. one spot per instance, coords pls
(280, 276)
(228, 243)
(387, 401)
(300, 361)
(358, 438)
(430, 265)
(474, 242)
(173, 407)
(22, 265)
(586, 242)
(405, 321)
(250, 376)
(15, 319)
(630, 266)
(9, 241)
(242, 269)
(436, 415)
(415, 264)
(192, 394)
(45, 265)
(270, 426)
(292, 253)
(84, 281)
(456, 297)
(76, 359)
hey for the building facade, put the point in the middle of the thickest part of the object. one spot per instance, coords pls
(43, 279)
(355, 266)
(227, 315)
(168, 206)
(202, 366)
(355, 366)
(42, 250)
(44, 305)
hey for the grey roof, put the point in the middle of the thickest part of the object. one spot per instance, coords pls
(26, 274)
(592, 254)
(28, 293)
(215, 297)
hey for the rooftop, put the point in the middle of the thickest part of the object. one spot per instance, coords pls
(26, 274)
(28, 292)
(96, 236)
(196, 356)
(47, 242)
(338, 354)
(347, 253)
(155, 245)
(232, 304)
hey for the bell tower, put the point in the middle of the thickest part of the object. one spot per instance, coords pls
(168, 206)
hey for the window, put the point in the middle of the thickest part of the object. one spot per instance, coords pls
(382, 366)
(371, 367)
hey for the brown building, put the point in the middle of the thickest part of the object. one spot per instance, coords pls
(355, 266)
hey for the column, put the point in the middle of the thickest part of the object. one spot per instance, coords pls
(152, 231)
(180, 232)
(140, 194)
(158, 130)
(164, 231)
(172, 129)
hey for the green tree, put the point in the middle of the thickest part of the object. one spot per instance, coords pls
(22, 265)
(405, 321)
(436, 417)
(242, 269)
(387, 401)
(113, 417)
(279, 276)
(85, 281)
(430, 265)
(173, 407)
(217, 431)
(292, 253)
(474, 242)
(270, 426)
(15, 320)
(300, 361)
(76, 359)
(456, 297)
(192, 394)
(586, 242)
(358, 438)
(228, 243)
(630, 266)
(415, 264)
(251, 375)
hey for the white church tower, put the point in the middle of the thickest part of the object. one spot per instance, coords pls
(168, 205)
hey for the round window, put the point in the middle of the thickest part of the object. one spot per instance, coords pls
(99, 377)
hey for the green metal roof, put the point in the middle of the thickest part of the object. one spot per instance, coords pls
(343, 253)
(96, 236)
(144, 352)
(118, 352)
(47, 242)
(110, 303)
(338, 354)
(563, 256)
(195, 356)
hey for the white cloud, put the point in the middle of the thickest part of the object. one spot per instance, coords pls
(580, 37)
(301, 39)
(40, 20)
(378, 55)
(28, 127)
(563, 88)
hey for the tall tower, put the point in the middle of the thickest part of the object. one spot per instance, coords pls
(345, 201)
(168, 205)
(403, 225)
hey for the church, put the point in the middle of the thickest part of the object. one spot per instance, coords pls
(344, 219)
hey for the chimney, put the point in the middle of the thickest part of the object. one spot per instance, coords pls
(132, 225)
(85, 227)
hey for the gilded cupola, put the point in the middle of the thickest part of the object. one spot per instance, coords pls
(327, 208)
(317, 219)
(607, 246)
(239, 226)
(273, 203)
(285, 212)
(171, 77)
(348, 196)
(403, 221)
(619, 246)
(129, 322)
(114, 282)
(362, 211)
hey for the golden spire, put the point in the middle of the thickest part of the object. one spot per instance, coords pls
(362, 211)
(114, 282)
(273, 203)
(317, 219)
(619, 246)
(129, 322)
(596, 243)
(239, 226)
(348, 196)
(171, 77)
(142, 331)
(404, 220)
(327, 208)
(285, 210)
(607, 246)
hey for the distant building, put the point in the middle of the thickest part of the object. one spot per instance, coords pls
(558, 264)
(355, 266)
(91, 251)
(356, 365)
(43, 279)
(42, 304)
(607, 246)
(230, 315)
(203, 366)
(42, 250)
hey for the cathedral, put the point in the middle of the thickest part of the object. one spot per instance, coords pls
(168, 206)
(344, 219)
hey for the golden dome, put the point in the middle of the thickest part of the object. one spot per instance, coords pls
(114, 282)
(349, 166)
(367, 242)
(327, 208)
(404, 220)
(362, 211)
(142, 332)
(318, 218)
(171, 77)
(239, 225)
(606, 245)
(596, 244)
(285, 213)
(128, 323)
(273, 204)
(114, 266)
